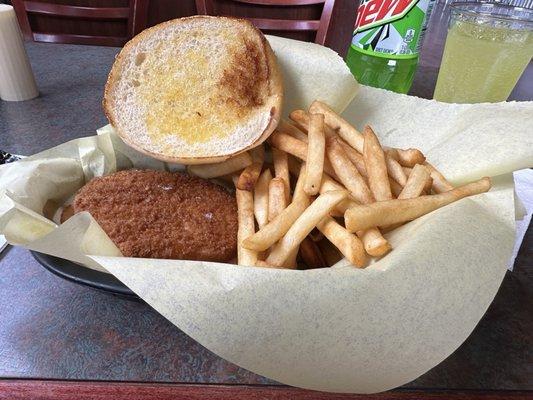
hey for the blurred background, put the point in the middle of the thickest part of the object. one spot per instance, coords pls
(327, 22)
(48, 19)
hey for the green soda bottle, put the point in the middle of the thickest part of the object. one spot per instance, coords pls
(386, 42)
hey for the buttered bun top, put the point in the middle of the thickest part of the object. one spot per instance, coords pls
(195, 90)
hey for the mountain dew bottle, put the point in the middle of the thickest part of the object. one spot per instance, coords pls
(386, 42)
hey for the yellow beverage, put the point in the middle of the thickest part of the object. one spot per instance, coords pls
(482, 62)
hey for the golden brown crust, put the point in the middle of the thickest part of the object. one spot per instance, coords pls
(159, 214)
(274, 98)
(276, 93)
(244, 82)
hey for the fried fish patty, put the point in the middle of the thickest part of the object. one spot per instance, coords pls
(158, 214)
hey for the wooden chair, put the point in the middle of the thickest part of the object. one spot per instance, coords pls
(320, 26)
(134, 15)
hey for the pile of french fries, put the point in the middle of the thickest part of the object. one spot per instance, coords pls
(329, 192)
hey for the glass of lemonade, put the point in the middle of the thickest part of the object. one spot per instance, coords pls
(487, 48)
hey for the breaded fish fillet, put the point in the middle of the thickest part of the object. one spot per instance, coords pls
(158, 214)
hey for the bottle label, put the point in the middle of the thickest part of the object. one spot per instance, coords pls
(391, 28)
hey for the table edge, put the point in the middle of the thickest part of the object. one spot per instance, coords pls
(16, 389)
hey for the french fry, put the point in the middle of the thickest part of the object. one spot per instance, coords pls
(249, 176)
(416, 183)
(440, 184)
(277, 199)
(274, 230)
(376, 167)
(414, 187)
(348, 244)
(392, 153)
(300, 195)
(304, 224)
(264, 264)
(281, 169)
(245, 216)
(335, 213)
(346, 131)
(289, 144)
(299, 191)
(301, 119)
(396, 171)
(328, 185)
(390, 212)
(395, 187)
(316, 148)
(229, 166)
(374, 242)
(261, 198)
(290, 129)
(429, 181)
(429, 185)
(258, 154)
(406, 157)
(296, 147)
(347, 173)
(393, 167)
(311, 254)
(291, 261)
(355, 157)
(410, 157)
(354, 138)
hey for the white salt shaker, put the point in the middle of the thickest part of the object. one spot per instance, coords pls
(16, 77)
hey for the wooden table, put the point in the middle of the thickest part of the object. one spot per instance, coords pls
(59, 340)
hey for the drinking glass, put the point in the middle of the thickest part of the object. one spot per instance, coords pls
(487, 48)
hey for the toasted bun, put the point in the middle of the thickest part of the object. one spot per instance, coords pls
(195, 90)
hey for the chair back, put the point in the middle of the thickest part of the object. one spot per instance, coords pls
(319, 25)
(129, 19)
